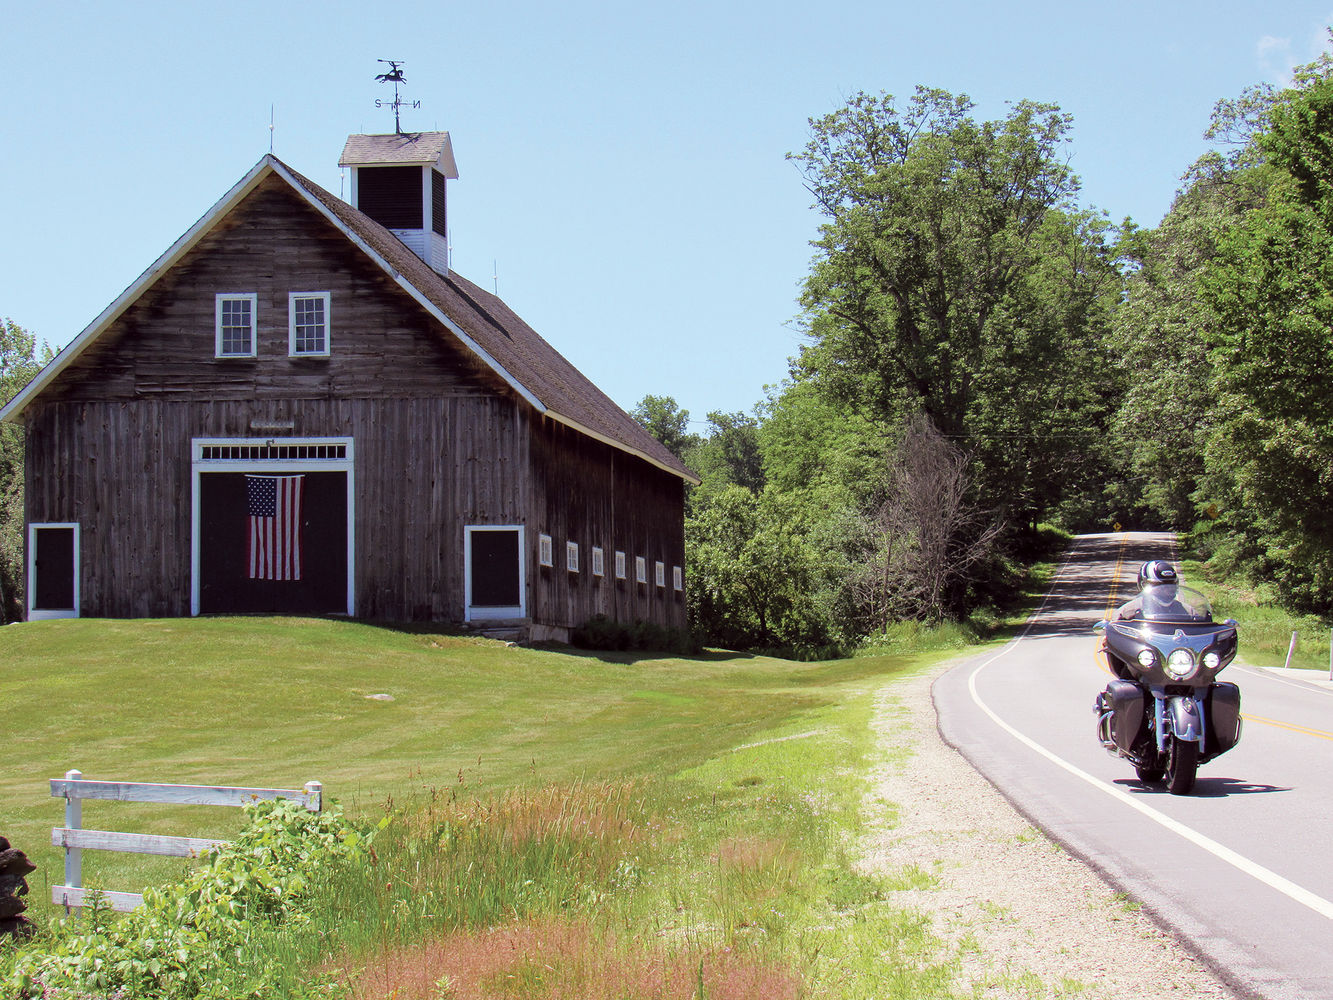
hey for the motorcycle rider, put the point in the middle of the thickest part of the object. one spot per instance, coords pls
(1157, 592)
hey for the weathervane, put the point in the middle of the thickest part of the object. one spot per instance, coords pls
(395, 76)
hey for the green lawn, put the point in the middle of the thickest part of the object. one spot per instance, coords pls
(278, 702)
(728, 790)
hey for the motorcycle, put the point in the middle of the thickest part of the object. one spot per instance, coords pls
(1165, 712)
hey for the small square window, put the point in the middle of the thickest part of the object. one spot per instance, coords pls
(677, 578)
(544, 555)
(659, 574)
(640, 569)
(234, 324)
(620, 565)
(598, 561)
(308, 324)
(572, 556)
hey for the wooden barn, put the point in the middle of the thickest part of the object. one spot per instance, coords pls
(300, 409)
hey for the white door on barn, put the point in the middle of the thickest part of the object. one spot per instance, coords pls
(53, 571)
(494, 572)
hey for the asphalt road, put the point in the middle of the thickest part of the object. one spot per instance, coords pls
(1241, 869)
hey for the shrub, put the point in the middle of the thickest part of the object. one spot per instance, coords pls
(600, 632)
(195, 939)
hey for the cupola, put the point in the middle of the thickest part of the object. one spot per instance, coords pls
(398, 180)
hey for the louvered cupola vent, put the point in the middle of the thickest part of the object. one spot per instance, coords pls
(399, 181)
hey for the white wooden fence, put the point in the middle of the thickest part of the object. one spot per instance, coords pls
(74, 839)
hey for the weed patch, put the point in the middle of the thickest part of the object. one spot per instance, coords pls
(560, 960)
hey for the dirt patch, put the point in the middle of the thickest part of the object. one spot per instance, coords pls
(1026, 919)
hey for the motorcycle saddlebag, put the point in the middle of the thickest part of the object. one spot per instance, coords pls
(1223, 718)
(1128, 721)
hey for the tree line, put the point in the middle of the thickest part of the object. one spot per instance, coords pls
(984, 355)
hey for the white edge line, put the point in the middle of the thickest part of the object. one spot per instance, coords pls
(1270, 878)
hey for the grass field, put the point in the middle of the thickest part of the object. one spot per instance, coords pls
(739, 779)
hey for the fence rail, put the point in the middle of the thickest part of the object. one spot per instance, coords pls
(74, 789)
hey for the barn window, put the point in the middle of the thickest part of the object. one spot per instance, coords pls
(640, 569)
(677, 578)
(620, 565)
(572, 556)
(544, 553)
(494, 577)
(659, 573)
(598, 561)
(308, 324)
(234, 324)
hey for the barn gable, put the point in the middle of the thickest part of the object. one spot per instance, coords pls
(272, 244)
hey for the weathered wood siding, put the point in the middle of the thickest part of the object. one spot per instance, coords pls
(424, 468)
(596, 495)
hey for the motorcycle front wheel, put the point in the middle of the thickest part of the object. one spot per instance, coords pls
(1182, 763)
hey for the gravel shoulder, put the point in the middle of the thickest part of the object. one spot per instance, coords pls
(1024, 918)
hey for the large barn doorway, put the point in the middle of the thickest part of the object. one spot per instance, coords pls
(273, 527)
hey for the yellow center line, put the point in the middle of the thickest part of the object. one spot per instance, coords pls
(1115, 576)
(1303, 730)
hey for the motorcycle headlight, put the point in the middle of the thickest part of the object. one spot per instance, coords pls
(1180, 664)
(1146, 658)
(1211, 660)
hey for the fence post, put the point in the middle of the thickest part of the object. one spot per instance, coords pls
(1290, 650)
(316, 789)
(73, 821)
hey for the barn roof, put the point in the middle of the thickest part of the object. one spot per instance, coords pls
(478, 320)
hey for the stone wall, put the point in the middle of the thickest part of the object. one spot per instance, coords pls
(14, 867)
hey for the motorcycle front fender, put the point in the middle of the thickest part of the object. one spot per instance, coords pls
(1186, 716)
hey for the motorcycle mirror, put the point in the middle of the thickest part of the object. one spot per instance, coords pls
(1099, 627)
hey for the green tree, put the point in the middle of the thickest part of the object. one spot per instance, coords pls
(1272, 350)
(663, 418)
(18, 364)
(730, 452)
(932, 219)
(1161, 332)
(752, 574)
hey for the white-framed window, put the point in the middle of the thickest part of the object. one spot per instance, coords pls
(640, 569)
(234, 321)
(598, 561)
(620, 565)
(677, 578)
(572, 556)
(659, 573)
(308, 324)
(545, 555)
(494, 579)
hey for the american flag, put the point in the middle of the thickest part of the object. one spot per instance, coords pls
(274, 504)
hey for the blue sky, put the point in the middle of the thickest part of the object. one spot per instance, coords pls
(622, 165)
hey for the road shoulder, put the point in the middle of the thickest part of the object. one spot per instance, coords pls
(1024, 918)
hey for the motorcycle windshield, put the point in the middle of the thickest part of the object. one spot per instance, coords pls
(1171, 602)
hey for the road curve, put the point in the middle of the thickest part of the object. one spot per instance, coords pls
(1241, 870)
